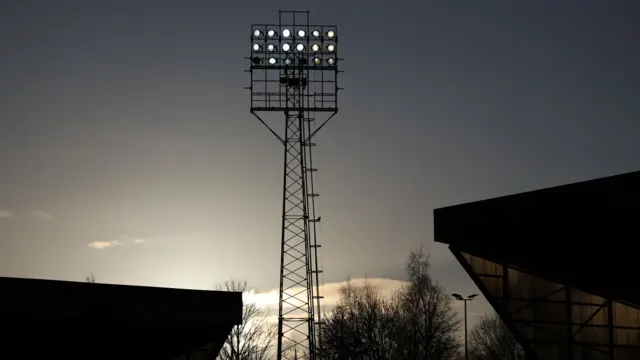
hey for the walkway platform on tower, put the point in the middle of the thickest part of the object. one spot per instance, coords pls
(99, 321)
(558, 265)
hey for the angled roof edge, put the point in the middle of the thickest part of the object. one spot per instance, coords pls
(73, 299)
(545, 190)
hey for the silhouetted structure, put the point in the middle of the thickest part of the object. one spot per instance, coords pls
(100, 321)
(558, 265)
(464, 299)
(294, 70)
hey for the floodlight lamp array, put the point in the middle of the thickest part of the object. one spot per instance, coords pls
(286, 33)
(311, 46)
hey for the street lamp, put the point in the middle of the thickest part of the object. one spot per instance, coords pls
(465, 299)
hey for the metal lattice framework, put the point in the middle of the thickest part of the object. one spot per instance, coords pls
(294, 70)
(554, 320)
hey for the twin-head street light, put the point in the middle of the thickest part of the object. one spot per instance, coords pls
(462, 298)
(465, 299)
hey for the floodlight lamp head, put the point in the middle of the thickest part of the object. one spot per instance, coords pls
(300, 55)
(472, 296)
(457, 296)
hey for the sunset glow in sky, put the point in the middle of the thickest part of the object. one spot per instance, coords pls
(127, 149)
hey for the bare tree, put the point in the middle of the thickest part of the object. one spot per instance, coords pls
(360, 326)
(428, 322)
(417, 322)
(492, 340)
(294, 351)
(254, 338)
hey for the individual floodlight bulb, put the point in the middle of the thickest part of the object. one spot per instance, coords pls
(300, 47)
(331, 61)
(331, 34)
(302, 61)
(257, 33)
(271, 47)
(286, 33)
(331, 48)
(301, 33)
(271, 33)
(286, 47)
(315, 47)
(256, 60)
(287, 61)
(315, 33)
(317, 61)
(272, 61)
(256, 47)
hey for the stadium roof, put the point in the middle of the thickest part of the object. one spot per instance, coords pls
(73, 317)
(583, 233)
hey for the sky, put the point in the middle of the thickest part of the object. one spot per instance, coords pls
(127, 149)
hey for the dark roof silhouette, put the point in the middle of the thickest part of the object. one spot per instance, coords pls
(583, 233)
(103, 319)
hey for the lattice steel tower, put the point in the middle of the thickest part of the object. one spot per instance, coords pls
(294, 70)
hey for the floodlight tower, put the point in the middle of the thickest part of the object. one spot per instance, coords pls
(294, 70)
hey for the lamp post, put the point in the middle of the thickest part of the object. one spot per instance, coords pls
(465, 299)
